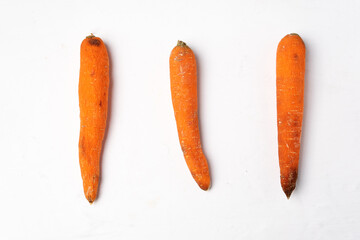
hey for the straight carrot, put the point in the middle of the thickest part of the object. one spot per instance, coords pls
(183, 81)
(93, 101)
(290, 72)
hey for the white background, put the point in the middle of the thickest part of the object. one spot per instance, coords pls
(146, 190)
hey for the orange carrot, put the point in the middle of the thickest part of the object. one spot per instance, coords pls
(93, 101)
(290, 71)
(183, 81)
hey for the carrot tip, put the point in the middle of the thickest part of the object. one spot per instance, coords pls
(90, 200)
(181, 44)
(288, 193)
(205, 188)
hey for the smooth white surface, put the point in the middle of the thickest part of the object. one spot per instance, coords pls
(146, 190)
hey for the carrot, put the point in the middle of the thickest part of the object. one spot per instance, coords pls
(93, 101)
(183, 81)
(290, 71)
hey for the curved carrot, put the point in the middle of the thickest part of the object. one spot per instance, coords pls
(290, 71)
(183, 81)
(93, 101)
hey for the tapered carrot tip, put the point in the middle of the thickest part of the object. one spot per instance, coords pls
(91, 194)
(199, 169)
(288, 182)
(206, 187)
(205, 183)
(288, 192)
